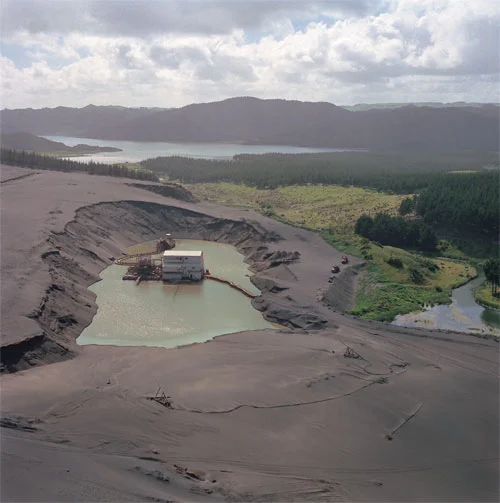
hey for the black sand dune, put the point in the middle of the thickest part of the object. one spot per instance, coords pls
(328, 409)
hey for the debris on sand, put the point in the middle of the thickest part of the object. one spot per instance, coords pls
(350, 353)
(162, 398)
(181, 470)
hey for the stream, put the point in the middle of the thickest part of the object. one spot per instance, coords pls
(462, 315)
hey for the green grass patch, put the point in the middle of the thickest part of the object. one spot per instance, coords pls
(345, 241)
(385, 302)
(62, 154)
(485, 297)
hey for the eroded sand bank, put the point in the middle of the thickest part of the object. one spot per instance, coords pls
(266, 415)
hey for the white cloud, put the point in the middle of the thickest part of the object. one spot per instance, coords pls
(146, 17)
(413, 50)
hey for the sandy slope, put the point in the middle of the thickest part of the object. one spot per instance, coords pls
(269, 416)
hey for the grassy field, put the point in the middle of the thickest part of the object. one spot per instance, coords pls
(315, 206)
(394, 281)
(62, 154)
(483, 296)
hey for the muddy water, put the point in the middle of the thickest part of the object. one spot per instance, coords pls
(462, 315)
(157, 314)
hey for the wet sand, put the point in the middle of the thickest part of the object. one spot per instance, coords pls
(265, 415)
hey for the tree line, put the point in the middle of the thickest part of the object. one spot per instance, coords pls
(38, 161)
(491, 270)
(397, 231)
(468, 201)
(399, 173)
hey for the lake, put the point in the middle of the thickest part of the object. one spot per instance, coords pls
(167, 315)
(462, 315)
(135, 151)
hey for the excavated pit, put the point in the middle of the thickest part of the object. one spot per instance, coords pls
(101, 232)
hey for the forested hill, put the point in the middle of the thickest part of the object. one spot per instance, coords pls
(88, 122)
(274, 122)
(30, 142)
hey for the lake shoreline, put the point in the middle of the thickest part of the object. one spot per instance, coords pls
(133, 152)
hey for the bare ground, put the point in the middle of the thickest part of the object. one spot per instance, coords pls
(330, 409)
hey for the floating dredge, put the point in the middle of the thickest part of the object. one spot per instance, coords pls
(144, 269)
(143, 266)
(171, 266)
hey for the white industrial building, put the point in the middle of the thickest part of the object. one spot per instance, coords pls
(183, 265)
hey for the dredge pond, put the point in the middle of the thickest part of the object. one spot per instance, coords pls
(170, 315)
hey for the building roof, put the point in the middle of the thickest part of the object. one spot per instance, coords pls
(182, 253)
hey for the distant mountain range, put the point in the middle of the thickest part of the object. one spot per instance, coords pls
(432, 104)
(30, 142)
(274, 122)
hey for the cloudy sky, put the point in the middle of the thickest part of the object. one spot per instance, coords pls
(172, 53)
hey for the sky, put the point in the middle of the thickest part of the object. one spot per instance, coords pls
(172, 53)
